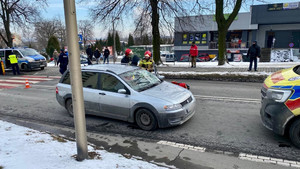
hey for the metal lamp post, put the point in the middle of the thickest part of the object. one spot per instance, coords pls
(76, 80)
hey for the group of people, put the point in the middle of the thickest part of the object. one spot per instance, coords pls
(98, 55)
(146, 63)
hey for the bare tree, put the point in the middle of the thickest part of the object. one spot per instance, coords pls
(85, 27)
(224, 24)
(19, 13)
(158, 10)
(44, 29)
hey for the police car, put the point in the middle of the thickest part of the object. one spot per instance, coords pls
(28, 58)
(280, 109)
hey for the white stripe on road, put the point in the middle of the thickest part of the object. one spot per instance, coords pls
(183, 146)
(232, 99)
(10, 84)
(29, 78)
(19, 81)
(270, 160)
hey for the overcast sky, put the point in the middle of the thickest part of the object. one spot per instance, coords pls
(55, 9)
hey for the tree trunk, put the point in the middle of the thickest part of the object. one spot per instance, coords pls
(222, 46)
(155, 31)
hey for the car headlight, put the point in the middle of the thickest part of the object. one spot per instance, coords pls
(278, 95)
(30, 59)
(172, 107)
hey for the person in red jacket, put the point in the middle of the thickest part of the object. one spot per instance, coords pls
(193, 54)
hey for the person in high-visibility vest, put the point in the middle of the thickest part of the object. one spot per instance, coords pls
(14, 63)
(147, 62)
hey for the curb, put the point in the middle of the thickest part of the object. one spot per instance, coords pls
(216, 77)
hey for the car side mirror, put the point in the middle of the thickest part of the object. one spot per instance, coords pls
(161, 77)
(122, 91)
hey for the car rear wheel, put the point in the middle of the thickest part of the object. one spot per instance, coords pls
(69, 107)
(295, 133)
(145, 119)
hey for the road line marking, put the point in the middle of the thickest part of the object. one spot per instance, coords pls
(18, 81)
(183, 146)
(28, 78)
(270, 160)
(9, 84)
(245, 100)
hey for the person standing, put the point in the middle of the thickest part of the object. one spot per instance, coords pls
(106, 55)
(253, 53)
(127, 58)
(14, 63)
(55, 57)
(63, 61)
(193, 54)
(147, 62)
(89, 53)
(97, 55)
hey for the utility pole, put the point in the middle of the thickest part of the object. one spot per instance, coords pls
(76, 80)
(114, 37)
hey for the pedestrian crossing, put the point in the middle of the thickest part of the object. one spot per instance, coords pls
(17, 81)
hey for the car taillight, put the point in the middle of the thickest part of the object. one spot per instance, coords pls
(56, 90)
(181, 58)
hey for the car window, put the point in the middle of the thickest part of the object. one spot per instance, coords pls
(1, 54)
(90, 80)
(17, 53)
(110, 83)
(140, 79)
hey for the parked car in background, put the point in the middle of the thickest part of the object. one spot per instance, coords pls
(203, 57)
(83, 59)
(170, 57)
(186, 58)
(130, 94)
(28, 58)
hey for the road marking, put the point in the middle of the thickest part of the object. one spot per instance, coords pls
(232, 99)
(270, 160)
(183, 146)
(31, 78)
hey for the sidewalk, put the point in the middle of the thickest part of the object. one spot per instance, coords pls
(29, 148)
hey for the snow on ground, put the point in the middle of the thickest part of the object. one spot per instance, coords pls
(218, 73)
(21, 147)
(232, 64)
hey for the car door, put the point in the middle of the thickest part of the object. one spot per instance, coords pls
(90, 83)
(114, 104)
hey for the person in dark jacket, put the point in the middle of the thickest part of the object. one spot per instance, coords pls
(89, 53)
(63, 61)
(97, 55)
(127, 58)
(106, 55)
(135, 60)
(253, 53)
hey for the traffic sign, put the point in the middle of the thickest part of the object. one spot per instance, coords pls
(291, 45)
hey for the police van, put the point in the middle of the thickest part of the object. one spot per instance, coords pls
(28, 58)
(280, 109)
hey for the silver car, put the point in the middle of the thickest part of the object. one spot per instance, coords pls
(130, 94)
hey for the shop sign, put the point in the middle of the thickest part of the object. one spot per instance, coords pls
(184, 38)
(197, 38)
(204, 39)
(191, 38)
(275, 7)
(292, 5)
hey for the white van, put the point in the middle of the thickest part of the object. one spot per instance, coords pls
(28, 58)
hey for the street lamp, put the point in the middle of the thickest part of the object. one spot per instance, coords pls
(114, 35)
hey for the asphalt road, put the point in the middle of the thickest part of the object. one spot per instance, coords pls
(227, 118)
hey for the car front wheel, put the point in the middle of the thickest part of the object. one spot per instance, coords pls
(145, 119)
(295, 133)
(69, 107)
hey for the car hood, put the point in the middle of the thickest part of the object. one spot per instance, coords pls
(36, 57)
(168, 92)
(282, 77)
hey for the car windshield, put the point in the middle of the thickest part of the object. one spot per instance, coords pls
(29, 52)
(140, 79)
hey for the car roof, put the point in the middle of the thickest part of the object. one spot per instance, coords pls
(115, 68)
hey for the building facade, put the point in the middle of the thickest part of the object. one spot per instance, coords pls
(271, 25)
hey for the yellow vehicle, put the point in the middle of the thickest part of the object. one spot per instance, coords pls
(280, 109)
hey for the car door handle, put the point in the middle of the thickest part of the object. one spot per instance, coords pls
(102, 94)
